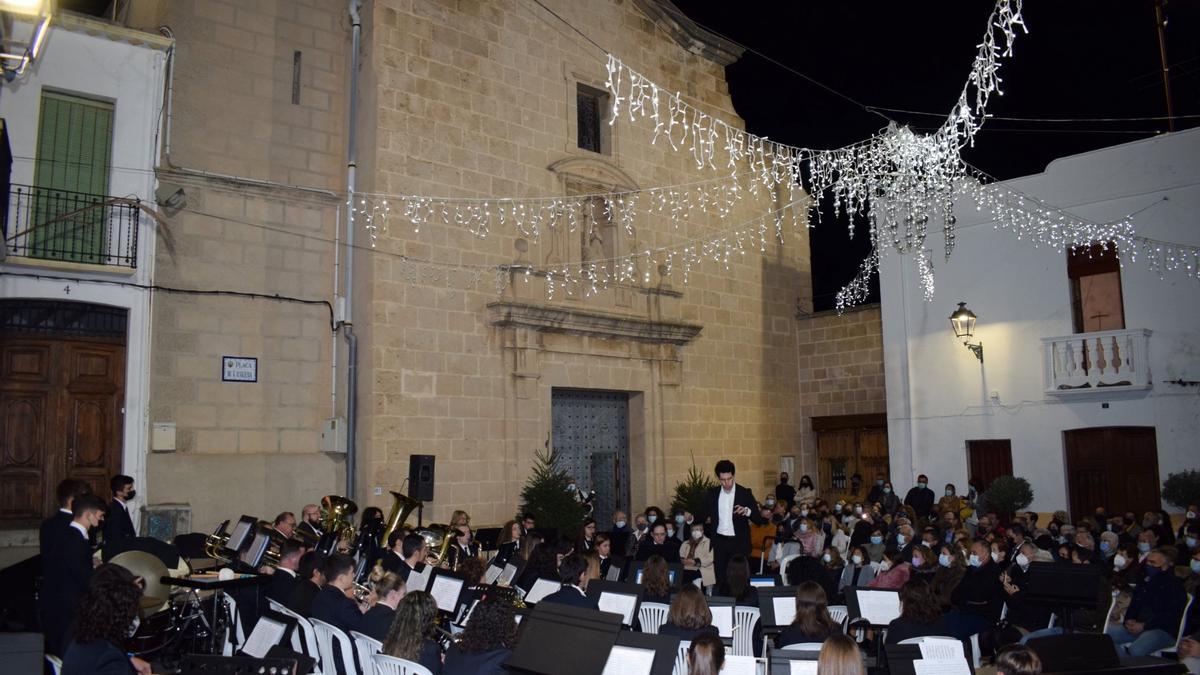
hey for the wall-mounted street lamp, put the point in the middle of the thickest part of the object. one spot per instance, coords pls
(963, 322)
(23, 28)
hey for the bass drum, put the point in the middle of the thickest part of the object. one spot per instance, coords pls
(154, 633)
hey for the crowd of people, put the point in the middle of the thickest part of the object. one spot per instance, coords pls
(960, 571)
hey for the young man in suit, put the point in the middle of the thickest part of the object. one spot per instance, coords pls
(285, 576)
(572, 572)
(118, 524)
(729, 509)
(58, 525)
(67, 571)
(332, 603)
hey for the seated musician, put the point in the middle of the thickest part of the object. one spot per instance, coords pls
(414, 551)
(604, 553)
(285, 524)
(508, 544)
(573, 573)
(393, 557)
(656, 581)
(812, 622)
(334, 604)
(690, 616)
(284, 575)
(659, 544)
(413, 635)
(389, 591)
(311, 523)
(106, 613)
(312, 578)
(464, 547)
(460, 519)
(487, 641)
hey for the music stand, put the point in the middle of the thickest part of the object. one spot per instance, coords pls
(674, 573)
(722, 612)
(781, 661)
(447, 589)
(209, 664)
(252, 553)
(540, 589)
(271, 629)
(1063, 587)
(616, 597)
(765, 581)
(665, 648)
(1080, 652)
(878, 606)
(900, 658)
(240, 536)
(487, 538)
(585, 638)
(777, 606)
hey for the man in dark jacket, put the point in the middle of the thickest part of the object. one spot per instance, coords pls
(118, 522)
(1152, 620)
(284, 579)
(920, 497)
(572, 571)
(979, 596)
(785, 492)
(659, 544)
(57, 526)
(728, 511)
(311, 578)
(66, 573)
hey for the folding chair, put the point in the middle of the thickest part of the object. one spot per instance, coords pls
(391, 665)
(652, 615)
(327, 634)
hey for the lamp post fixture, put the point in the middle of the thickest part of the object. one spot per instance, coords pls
(23, 28)
(963, 323)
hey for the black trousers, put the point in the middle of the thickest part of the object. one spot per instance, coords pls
(725, 548)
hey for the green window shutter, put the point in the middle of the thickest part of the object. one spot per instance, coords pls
(71, 173)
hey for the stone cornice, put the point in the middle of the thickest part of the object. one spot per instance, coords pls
(688, 34)
(590, 323)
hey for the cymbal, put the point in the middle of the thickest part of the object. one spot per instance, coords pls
(151, 570)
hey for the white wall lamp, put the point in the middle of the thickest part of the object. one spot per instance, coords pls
(23, 28)
(963, 322)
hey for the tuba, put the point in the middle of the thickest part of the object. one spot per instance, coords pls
(437, 537)
(335, 520)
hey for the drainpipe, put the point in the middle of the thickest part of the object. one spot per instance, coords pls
(348, 320)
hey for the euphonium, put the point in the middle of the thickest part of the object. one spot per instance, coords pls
(335, 514)
(215, 542)
(438, 538)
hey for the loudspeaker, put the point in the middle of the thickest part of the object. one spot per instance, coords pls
(420, 477)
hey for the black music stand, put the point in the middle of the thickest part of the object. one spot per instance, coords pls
(665, 648)
(780, 661)
(598, 588)
(1064, 588)
(557, 638)
(900, 658)
(674, 573)
(487, 538)
(767, 596)
(211, 664)
(450, 588)
(1080, 652)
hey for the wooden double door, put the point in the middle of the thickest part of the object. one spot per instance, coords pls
(61, 416)
(848, 445)
(1114, 467)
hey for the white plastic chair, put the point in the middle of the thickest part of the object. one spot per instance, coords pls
(744, 619)
(802, 647)
(391, 665)
(838, 613)
(652, 615)
(1179, 633)
(238, 630)
(306, 632)
(783, 565)
(366, 647)
(326, 635)
(681, 658)
(1112, 606)
(55, 663)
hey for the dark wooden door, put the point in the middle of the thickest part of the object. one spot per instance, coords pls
(847, 445)
(1114, 467)
(61, 416)
(987, 460)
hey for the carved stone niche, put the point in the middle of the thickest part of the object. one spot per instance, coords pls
(589, 323)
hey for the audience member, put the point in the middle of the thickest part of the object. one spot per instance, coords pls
(893, 572)
(697, 556)
(979, 596)
(1155, 610)
(784, 492)
(858, 572)
(920, 497)
(659, 544)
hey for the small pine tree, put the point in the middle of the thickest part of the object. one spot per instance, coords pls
(1182, 489)
(689, 494)
(546, 498)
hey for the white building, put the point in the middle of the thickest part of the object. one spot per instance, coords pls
(1088, 426)
(83, 124)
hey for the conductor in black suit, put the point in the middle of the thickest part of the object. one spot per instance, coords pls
(66, 573)
(728, 511)
(117, 522)
(572, 572)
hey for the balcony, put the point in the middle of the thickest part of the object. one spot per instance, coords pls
(1104, 361)
(61, 226)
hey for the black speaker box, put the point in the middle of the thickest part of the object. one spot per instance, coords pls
(420, 477)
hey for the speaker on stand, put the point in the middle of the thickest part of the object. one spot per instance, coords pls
(420, 480)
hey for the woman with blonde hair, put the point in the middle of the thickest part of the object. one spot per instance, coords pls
(840, 656)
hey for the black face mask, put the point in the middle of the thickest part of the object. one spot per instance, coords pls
(131, 495)
(783, 481)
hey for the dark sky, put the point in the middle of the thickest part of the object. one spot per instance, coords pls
(1081, 59)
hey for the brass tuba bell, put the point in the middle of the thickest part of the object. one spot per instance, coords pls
(402, 508)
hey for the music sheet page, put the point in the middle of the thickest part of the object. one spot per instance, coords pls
(626, 660)
(266, 634)
(941, 667)
(785, 610)
(619, 604)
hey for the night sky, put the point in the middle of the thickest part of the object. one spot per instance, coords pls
(1081, 59)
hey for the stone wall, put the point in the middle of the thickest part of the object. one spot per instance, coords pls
(840, 370)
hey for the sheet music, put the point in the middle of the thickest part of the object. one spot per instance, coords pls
(941, 667)
(804, 667)
(506, 577)
(785, 609)
(614, 574)
(942, 650)
(739, 665)
(723, 620)
(623, 660)
(619, 604)
(541, 588)
(445, 592)
(467, 615)
(418, 581)
(266, 634)
(492, 574)
(880, 608)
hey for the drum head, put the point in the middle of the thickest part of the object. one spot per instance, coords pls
(151, 570)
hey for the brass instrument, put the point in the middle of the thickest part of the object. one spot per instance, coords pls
(437, 537)
(402, 508)
(215, 542)
(335, 514)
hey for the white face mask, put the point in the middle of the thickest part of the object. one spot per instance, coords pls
(804, 527)
(696, 534)
(1119, 561)
(856, 559)
(620, 524)
(858, 510)
(803, 513)
(837, 508)
(974, 561)
(885, 566)
(1022, 560)
(827, 558)
(996, 556)
(651, 518)
(670, 532)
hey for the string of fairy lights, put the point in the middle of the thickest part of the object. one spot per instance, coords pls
(894, 182)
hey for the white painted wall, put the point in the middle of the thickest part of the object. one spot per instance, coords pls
(89, 58)
(938, 393)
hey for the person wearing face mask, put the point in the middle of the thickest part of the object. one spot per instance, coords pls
(904, 540)
(784, 492)
(950, 500)
(876, 492)
(1190, 517)
(1109, 541)
(678, 528)
(893, 572)
(806, 491)
(951, 567)
(979, 597)
(108, 609)
(920, 497)
(1147, 541)
(1015, 580)
(118, 523)
(633, 542)
(655, 515)
(1187, 543)
(811, 539)
(836, 537)
(858, 571)
(875, 544)
(924, 563)
(889, 502)
(697, 556)
(1154, 611)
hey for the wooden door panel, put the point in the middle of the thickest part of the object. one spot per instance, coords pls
(987, 460)
(91, 408)
(1114, 467)
(23, 432)
(25, 364)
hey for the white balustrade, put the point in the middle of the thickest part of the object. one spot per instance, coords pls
(1104, 360)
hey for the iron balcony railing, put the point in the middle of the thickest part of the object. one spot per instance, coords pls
(69, 226)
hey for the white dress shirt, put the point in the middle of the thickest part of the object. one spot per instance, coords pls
(80, 528)
(725, 512)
